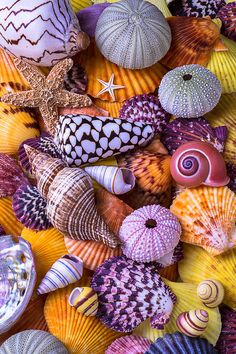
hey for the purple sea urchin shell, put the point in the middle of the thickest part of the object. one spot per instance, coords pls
(129, 293)
(231, 171)
(149, 233)
(129, 344)
(196, 8)
(76, 80)
(89, 16)
(30, 208)
(182, 130)
(227, 341)
(227, 15)
(147, 109)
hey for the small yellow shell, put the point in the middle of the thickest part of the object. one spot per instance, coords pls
(211, 292)
(193, 323)
(85, 300)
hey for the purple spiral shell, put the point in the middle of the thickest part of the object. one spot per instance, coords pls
(188, 165)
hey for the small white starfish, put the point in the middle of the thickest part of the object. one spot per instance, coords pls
(109, 87)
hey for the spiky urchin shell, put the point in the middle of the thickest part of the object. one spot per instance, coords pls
(129, 293)
(189, 91)
(147, 109)
(76, 80)
(196, 8)
(228, 17)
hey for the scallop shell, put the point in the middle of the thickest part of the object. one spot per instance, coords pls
(199, 265)
(113, 108)
(76, 80)
(189, 91)
(8, 220)
(33, 342)
(79, 333)
(9, 73)
(129, 344)
(193, 323)
(227, 14)
(85, 300)
(179, 343)
(207, 216)
(193, 40)
(196, 8)
(149, 233)
(78, 5)
(123, 37)
(89, 16)
(17, 277)
(226, 343)
(170, 272)
(211, 292)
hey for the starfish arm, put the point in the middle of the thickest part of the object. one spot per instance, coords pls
(50, 116)
(31, 73)
(69, 99)
(22, 99)
(57, 75)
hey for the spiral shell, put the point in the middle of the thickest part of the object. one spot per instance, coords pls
(85, 300)
(195, 163)
(227, 14)
(211, 292)
(193, 323)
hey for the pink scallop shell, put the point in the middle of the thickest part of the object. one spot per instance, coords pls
(129, 344)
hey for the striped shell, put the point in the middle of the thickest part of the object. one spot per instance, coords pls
(193, 323)
(85, 300)
(66, 270)
(129, 344)
(133, 34)
(189, 91)
(228, 17)
(196, 8)
(211, 292)
(226, 343)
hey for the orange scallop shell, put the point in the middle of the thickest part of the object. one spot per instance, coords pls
(113, 108)
(8, 220)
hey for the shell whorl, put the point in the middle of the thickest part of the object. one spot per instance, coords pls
(85, 300)
(193, 323)
(211, 292)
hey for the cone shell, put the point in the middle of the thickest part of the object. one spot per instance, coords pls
(199, 265)
(211, 292)
(193, 323)
(8, 220)
(85, 300)
(196, 8)
(193, 40)
(129, 344)
(66, 270)
(226, 343)
(187, 300)
(207, 216)
(79, 333)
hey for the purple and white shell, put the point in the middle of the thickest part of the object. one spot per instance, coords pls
(76, 80)
(227, 15)
(89, 16)
(129, 344)
(196, 8)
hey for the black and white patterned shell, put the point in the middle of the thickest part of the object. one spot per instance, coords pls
(84, 139)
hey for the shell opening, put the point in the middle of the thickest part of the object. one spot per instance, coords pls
(151, 223)
(187, 77)
(73, 295)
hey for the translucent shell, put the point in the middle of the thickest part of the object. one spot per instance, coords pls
(129, 344)
(211, 292)
(85, 300)
(207, 216)
(8, 220)
(193, 323)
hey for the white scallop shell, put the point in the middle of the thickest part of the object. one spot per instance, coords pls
(133, 34)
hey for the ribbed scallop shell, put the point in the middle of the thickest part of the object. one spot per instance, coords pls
(33, 342)
(84, 300)
(226, 343)
(8, 220)
(198, 265)
(193, 323)
(9, 73)
(211, 292)
(207, 216)
(133, 34)
(78, 5)
(113, 108)
(129, 344)
(227, 14)
(196, 8)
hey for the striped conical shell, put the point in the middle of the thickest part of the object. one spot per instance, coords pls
(85, 300)
(193, 323)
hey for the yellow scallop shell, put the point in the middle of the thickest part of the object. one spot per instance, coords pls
(8, 220)
(78, 5)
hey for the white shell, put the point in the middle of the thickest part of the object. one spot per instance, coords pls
(40, 32)
(114, 179)
(133, 34)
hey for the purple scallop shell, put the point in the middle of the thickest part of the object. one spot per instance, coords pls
(11, 176)
(227, 15)
(76, 80)
(30, 208)
(227, 341)
(129, 293)
(196, 8)
(44, 144)
(147, 109)
(129, 344)
(182, 130)
(231, 172)
(89, 16)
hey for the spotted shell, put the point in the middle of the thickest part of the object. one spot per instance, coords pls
(193, 323)
(124, 38)
(196, 8)
(211, 292)
(85, 300)
(189, 91)
(129, 344)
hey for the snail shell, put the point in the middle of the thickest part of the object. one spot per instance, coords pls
(85, 300)
(195, 163)
(211, 292)
(193, 323)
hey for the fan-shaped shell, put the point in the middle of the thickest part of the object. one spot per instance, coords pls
(8, 220)
(78, 5)
(193, 323)
(211, 292)
(113, 108)
(33, 342)
(85, 300)
(227, 14)
(226, 343)
(9, 73)
(133, 34)
(196, 8)
(207, 216)
(129, 344)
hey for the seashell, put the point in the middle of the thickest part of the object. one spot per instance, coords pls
(89, 16)
(79, 333)
(33, 342)
(17, 278)
(9, 74)
(193, 40)
(11, 176)
(112, 108)
(45, 42)
(149, 233)
(30, 208)
(78, 5)
(207, 216)
(91, 110)
(146, 109)
(110, 82)
(76, 80)
(170, 272)
(226, 342)
(196, 8)
(195, 163)
(123, 37)
(127, 306)
(74, 190)
(85, 300)
(173, 257)
(193, 323)
(114, 179)
(66, 270)
(129, 344)
(2, 232)
(8, 220)
(227, 14)
(211, 292)
(231, 171)
(182, 130)
(198, 265)
(105, 137)
(202, 89)
(179, 343)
